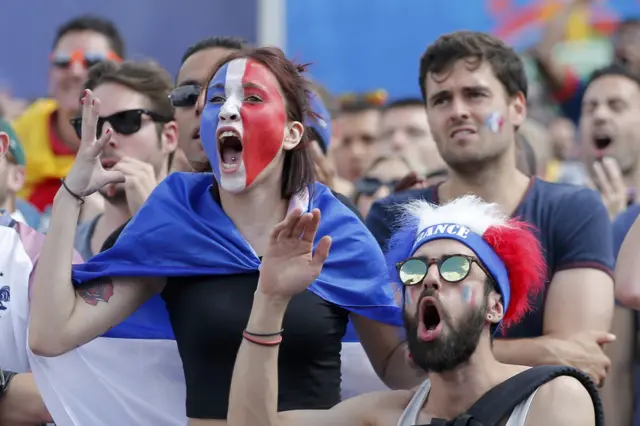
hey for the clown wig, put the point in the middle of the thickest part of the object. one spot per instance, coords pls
(507, 247)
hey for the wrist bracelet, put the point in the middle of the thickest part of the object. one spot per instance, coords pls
(277, 333)
(76, 196)
(5, 379)
(251, 339)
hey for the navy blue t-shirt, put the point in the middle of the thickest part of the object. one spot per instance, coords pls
(571, 222)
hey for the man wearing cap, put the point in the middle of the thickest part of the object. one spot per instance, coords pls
(465, 271)
(12, 178)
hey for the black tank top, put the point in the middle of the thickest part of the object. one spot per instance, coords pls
(208, 315)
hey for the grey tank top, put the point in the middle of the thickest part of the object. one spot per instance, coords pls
(410, 415)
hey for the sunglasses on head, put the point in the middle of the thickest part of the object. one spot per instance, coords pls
(124, 122)
(185, 96)
(87, 59)
(369, 186)
(452, 269)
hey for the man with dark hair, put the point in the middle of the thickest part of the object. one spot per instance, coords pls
(49, 141)
(475, 91)
(136, 109)
(404, 127)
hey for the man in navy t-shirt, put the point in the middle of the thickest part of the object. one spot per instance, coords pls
(475, 90)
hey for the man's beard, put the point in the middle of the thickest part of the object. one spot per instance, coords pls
(453, 346)
(119, 196)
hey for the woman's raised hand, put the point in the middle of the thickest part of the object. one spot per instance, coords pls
(87, 175)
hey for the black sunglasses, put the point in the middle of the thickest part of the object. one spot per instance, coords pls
(369, 186)
(185, 96)
(453, 268)
(124, 122)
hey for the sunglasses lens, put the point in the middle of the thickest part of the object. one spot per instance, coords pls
(125, 122)
(412, 271)
(185, 96)
(455, 268)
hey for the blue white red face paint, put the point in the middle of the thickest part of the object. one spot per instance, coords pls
(243, 122)
(494, 122)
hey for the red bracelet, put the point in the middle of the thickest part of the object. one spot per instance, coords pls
(261, 342)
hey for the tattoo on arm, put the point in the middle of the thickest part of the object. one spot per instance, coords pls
(97, 291)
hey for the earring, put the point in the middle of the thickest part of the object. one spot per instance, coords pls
(489, 317)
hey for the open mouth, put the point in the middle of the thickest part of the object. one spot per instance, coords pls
(230, 146)
(431, 320)
(602, 142)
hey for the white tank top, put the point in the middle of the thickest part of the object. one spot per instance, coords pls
(410, 415)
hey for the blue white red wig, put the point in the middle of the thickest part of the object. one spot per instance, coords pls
(507, 248)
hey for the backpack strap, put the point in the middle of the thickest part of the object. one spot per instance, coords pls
(500, 401)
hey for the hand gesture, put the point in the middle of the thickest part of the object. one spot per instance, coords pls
(290, 265)
(610, 184)
(87, 175)
(584, 351)
(140, 181)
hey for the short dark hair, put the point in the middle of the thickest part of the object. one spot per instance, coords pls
(298, 171)
(224, 42)
(404, 102)
(614, 69)
(97, 25)
(479, 47)
(145, 77)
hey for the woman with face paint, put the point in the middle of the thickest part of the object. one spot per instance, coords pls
(187, 266)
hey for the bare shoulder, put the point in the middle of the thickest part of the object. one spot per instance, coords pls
(563, 401)
(372, 409)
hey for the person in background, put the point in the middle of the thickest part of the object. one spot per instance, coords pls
(610, 134)
(357, 134)
(138, 113)
(565, 165)
(12, 177)
(404, 127)
(474, 113)
(380, 180)
(50, 142)
(566, 86)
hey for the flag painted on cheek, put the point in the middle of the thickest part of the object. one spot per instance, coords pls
(243, 97)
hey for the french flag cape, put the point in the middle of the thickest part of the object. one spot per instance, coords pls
(182, 231)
